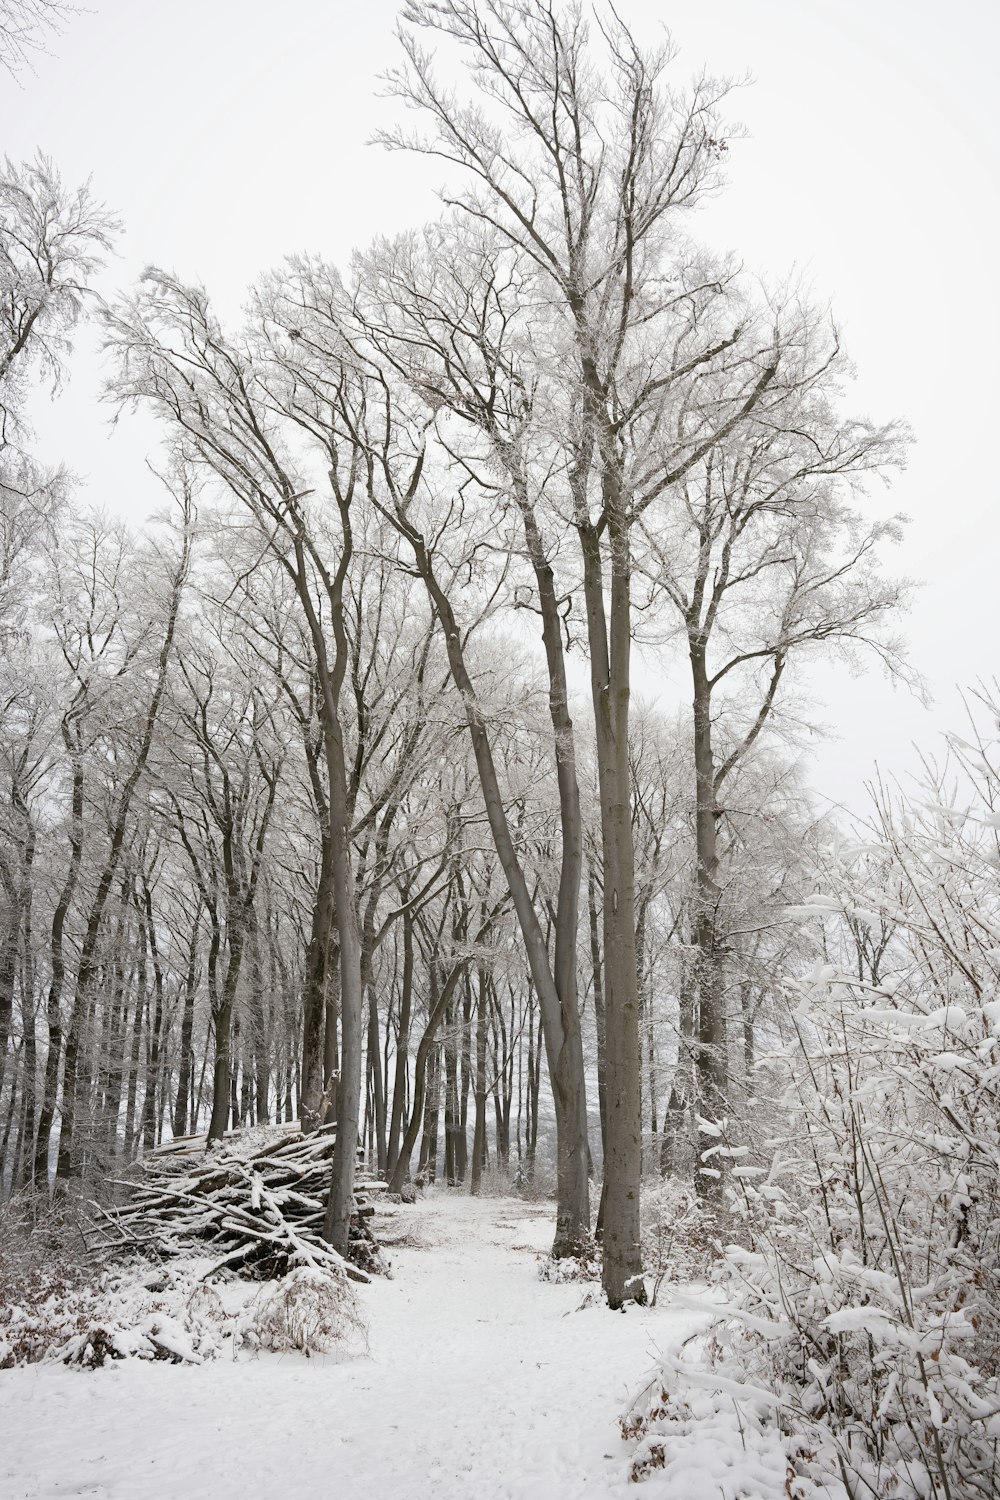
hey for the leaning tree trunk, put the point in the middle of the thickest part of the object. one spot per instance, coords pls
(555, 984)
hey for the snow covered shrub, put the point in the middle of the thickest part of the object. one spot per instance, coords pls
(497, 1180)
(704, 1445)
(538, 1184)
(204, 1307)
(859, 1319)
(310, 1310)
(677, 1233)
(38, 1311)
(583, 1267)
(135, 1312)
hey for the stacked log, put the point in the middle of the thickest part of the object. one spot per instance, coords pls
(257, 1203)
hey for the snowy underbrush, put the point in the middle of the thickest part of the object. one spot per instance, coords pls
(855, 1329)
(583, 1267)
(69, 1317)
(535, 1186)
(712, 1444)
(679, 1234)
(59, 1313)
(679, 1241)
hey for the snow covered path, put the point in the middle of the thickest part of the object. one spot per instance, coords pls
(481, 1382)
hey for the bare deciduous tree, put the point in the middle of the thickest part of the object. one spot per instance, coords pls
(581, 157)
(26, 26)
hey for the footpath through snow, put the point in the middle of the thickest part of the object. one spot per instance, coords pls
(482, 1383)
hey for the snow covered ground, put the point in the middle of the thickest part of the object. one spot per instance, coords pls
(482, 1383)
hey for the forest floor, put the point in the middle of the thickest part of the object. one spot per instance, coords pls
(481, 1382)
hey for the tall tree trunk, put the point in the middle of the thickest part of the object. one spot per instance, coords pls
(133, 1072)
(610, 639)
(337, 1220)
(151, 1093)
(402, 1042)
(711, 1057)
(314, 993)
(464, 1083)
(222, 1068)
(479, 1133)
(451, 1108)
(57, 953)
(259, 1032)
(679, 1131)
(376, 1075)
(185, 1061)
(8, 974)
(428, 1126)
(114, 1059)
(600, 1016)
(17, 883)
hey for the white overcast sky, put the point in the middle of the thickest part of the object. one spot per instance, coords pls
(227, 133)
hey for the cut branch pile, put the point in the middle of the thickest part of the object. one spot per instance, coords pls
(260, 1200)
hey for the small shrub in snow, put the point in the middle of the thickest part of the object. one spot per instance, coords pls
(408, 1193)
(312, 1311)
(583, 1267)
(39, 1235)
(536, 1186)
(497, 1181)
(204, 1307)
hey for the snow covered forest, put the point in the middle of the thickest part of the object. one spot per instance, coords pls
(356, 862)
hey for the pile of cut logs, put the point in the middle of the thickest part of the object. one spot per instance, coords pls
(257, 1201)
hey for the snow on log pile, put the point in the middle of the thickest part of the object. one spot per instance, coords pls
(259, 1201)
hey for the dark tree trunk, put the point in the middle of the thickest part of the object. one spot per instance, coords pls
(479, 1133)
(610, 639)
(711, 1056)
(402, 1043)
(314, 995)
(185, 1061)
(57, 955)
